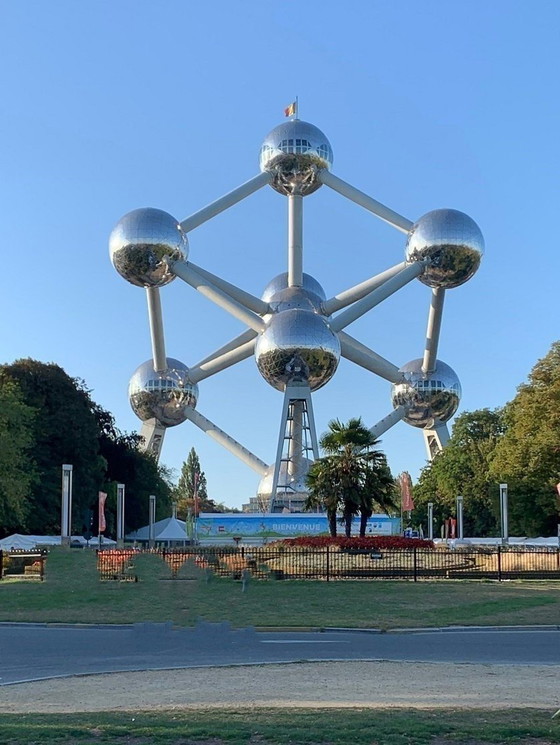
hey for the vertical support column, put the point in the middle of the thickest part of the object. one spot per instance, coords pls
(295, 445)
(295, 240)
(120, 515)
(66, 511)
(460, 518)
(504, 513)
(155, 318)
(152, 520)
(430, 521)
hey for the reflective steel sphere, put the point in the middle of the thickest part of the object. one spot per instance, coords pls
(297, 345)
(139, 242)
(292, 153)
(431, 399)
(281, 297)
(163, 396)
(453, 243)
(287, 485)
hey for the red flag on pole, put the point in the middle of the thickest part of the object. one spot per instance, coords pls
(406, 492)
(102, 523)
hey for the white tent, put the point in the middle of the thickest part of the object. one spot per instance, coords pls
(28, 542)
(169, 530)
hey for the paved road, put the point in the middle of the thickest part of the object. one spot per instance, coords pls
(34, 652)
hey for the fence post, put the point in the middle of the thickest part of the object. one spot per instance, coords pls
(499, 563)
(1, 563)
(415, 565)
(328, 563)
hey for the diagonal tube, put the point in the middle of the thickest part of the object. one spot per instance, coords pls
(228, 200)
(245, 298)
(207, 369)
(432, 332)
(347, 297)
(358, 353)
(184, 271)
(226, 441)
(230, 346)
(387, 422)
(357, 196)
(155, 318)
(377, 296)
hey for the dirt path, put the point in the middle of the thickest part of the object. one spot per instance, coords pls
(321, 684)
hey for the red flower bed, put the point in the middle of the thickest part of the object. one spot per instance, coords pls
(369, 542)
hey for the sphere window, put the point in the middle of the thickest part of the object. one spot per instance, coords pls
(325, 152)
(295, 146)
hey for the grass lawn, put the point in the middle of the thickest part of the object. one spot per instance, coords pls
(73, 593)
(276, 726)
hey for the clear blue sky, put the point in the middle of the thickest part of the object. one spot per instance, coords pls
(108, 106)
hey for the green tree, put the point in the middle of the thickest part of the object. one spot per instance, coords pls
(139, 471)
(352, 477)
(527, 458)
(191, 490)
(463, 468)
(18, 474)
(64, 430)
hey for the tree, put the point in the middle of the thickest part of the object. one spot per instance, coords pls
(527, 458)
(352, 476)
(191, 490)
(463, 468)
(138, 470)
(17, 469)
(63, 430)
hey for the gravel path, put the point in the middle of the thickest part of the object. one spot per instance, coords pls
(321, 684)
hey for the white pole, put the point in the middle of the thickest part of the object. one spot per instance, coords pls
(295, 240)
(155, 319)
(66, 511)
(347, 297)
(353, 350)
(184, 271)
(228, 200)
(430, 521)
(120, 514)
(387, 422)
(226, 441)
(351, 314)
(460, 518)
(152, 520)
(432, 332)
(201, 372)
(504, 513)
(251, 302)
(357, 196)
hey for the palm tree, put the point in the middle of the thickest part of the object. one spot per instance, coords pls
(352, 476)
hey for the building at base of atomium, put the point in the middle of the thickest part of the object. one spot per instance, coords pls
(295, 333)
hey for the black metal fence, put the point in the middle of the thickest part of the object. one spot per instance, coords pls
(22, 564)
(333, 563)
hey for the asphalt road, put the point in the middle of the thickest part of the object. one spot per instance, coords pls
(34, 652)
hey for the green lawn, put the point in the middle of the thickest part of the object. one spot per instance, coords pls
(280, 727)
(73, 593)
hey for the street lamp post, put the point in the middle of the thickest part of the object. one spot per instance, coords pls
(430, 521)
(66, 511)
(460, 518)
(504, 513)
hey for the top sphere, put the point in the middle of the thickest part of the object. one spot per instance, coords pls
(140, 241)
(452, 242)
(293, 153)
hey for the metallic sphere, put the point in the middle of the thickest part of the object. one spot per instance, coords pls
(163, 396)
(288, 485)
(297, 346)
(452, 242)
(281, 297)
(140, 241)
(430, 399)
(292, 153)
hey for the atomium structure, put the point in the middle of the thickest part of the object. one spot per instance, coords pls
(295, 333)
